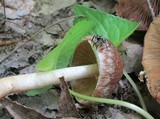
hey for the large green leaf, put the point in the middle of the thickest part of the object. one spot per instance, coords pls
(109, 26)
(61, 55)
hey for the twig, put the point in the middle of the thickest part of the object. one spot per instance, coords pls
(5, 43)
(10, 53)
(151, 9)
(9, 36)
(4, 8)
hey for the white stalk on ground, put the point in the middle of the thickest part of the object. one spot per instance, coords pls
(32, 81)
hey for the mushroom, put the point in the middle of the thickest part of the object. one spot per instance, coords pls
(97, 50)
(137, 10)
(151, 58)
(97, 68)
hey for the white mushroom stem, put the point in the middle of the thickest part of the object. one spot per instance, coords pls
(31, 81)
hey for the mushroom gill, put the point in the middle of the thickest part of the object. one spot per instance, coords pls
(137, 10)
(151, 58)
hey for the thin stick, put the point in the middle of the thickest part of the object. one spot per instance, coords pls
(151, 9)
(32, 81)
(6, 43)
(11, 52)
(4, 8)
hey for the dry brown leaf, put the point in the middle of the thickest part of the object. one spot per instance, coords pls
(19, 111)
(66, 103)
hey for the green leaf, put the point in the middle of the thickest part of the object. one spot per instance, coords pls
(61, 55)
(109, 26)
(38, 91)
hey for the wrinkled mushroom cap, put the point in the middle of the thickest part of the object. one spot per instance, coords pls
(151, 58)
(137, 10)
(97, 50)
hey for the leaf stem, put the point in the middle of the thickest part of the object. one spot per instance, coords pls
(116, 102)
(136, 89)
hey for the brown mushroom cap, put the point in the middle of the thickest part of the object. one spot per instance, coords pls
(98, 50)
(151, 58)
(137, 10)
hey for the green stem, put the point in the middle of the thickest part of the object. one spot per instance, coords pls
(116, 102)
(136, 89)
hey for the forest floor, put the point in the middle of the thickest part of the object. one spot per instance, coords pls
(30, 32)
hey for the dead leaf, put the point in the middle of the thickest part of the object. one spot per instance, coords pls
(15, 9)
(21, 112)
(46, 103)
(104, 5)
(66, 104)
(51, 6)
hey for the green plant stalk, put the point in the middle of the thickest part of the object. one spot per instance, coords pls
(116, 102)
(136, 89)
